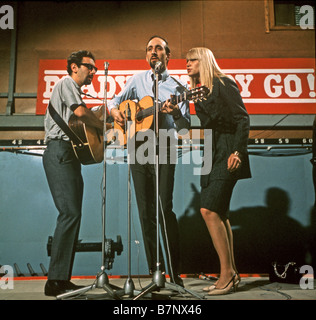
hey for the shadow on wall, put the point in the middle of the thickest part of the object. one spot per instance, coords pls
(262, 235)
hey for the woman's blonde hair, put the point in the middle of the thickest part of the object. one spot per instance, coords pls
(208, 67)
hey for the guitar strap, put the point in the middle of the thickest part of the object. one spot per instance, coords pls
(180, 84)
(174, 79)
(64, 126)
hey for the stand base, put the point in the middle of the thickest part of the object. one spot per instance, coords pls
(159, 282)
(102, 282)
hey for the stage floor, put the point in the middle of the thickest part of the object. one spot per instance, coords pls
(252, 287)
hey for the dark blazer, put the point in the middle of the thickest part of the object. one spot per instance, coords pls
(225, 113)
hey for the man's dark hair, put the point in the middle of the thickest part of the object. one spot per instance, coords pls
(166, 47)
(76, 57)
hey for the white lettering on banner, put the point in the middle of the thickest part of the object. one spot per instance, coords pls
(272, 91)
(115, 84)
(292, 85)
(50, 82)
(292, 78)
(256, 85)
(240, 78)
(311, 84)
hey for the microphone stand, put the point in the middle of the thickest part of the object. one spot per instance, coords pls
(129, 287)
(102, 280)
(159, 280)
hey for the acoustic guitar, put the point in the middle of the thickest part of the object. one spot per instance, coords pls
(142, 112)
(92, 150)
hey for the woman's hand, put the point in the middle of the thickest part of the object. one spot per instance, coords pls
(234, 162)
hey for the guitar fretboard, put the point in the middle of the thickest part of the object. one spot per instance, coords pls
(150, 111)
(192, 94)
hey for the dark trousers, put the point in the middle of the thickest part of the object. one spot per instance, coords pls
(63, 172)
(145, 188)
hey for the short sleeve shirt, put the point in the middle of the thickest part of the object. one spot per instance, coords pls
(66, 97)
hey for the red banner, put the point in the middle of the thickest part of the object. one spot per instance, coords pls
(267, 86)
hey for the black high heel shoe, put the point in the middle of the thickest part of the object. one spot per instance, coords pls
(231, 285)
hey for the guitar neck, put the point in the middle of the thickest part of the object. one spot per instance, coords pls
(194, 94)
(150, 111)
(177, 99)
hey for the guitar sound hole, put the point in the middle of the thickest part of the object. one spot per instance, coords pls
(139, 115)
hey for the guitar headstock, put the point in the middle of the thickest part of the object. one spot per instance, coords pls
(198, 94)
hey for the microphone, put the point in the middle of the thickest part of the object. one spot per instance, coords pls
(106, 67)
(158, 66)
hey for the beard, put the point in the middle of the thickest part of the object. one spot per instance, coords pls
(88, 80)
(152, 64)
(162, 67)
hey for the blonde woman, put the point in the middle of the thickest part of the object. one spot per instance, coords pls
(224, 112)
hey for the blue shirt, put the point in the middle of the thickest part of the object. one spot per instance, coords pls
(140, 85)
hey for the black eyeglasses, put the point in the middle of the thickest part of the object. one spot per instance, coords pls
(90, 66)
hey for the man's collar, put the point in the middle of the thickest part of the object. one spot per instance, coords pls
(76, 84)
(164, 75)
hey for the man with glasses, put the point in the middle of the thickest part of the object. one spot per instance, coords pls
(63, 169)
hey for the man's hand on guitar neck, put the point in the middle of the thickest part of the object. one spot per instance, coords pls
(171, 109)
(118, 117)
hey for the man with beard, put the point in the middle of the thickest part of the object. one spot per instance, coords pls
(63, 169)
(175, 117)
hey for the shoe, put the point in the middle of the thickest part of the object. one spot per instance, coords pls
(68, 285)
(209, 288)
(54, 288)
(237, 280)
(213, 286)
(231, 285)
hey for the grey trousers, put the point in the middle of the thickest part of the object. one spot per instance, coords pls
(63, 172)
(144, 183)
